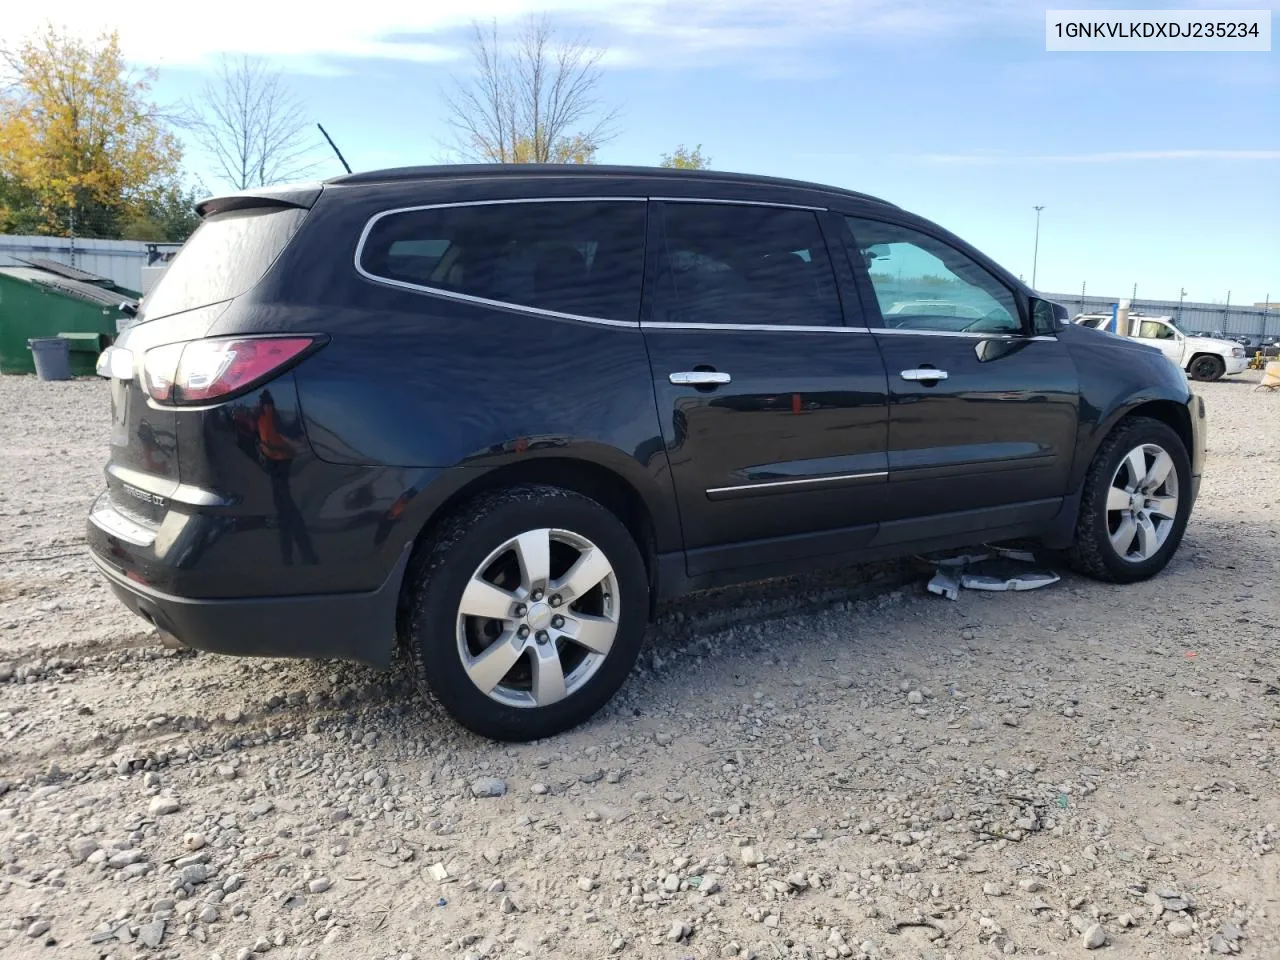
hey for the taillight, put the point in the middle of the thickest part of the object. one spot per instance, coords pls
(159, 368)
(203, 371)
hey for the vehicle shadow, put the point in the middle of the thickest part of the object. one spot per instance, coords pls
(340, 693)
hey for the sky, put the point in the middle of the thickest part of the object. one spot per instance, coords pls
(1160, 170)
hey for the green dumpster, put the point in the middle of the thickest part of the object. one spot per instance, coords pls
(37, 302)
(84, 349)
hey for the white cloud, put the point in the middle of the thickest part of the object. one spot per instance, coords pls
(319, 36)
(1119, 156)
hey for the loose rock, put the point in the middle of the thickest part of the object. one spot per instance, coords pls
(163, 806)
(488, 787)
(1094, 936)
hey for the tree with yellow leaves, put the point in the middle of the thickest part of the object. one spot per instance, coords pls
(82, 146)
(686, 159)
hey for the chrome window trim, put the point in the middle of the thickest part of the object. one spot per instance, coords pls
(485, 301)
(968, 335)
(867, 475)
(556, 314)
(765, 327)
(500, 304)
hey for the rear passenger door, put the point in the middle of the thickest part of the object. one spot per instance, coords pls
(773, 410)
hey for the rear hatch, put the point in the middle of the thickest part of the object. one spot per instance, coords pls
(236, 243)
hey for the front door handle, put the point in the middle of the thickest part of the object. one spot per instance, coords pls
(924, 373)
(698, 378)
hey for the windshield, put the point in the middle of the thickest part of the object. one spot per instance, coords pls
(227, 255)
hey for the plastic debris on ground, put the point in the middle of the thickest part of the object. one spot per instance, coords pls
(944, 584)
(998, 569)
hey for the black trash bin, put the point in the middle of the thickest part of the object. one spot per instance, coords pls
(52, 356)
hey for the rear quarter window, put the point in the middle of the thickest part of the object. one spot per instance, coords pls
(228, 254)
(580, 258)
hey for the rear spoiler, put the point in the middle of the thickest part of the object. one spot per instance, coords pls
(300, 195)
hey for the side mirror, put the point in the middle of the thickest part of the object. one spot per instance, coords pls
(1046, 316)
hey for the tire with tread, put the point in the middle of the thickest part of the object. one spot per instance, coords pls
(1091, 552)
(1207, 367)
(440, 570)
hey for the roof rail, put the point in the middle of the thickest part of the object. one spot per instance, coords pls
(515, 170)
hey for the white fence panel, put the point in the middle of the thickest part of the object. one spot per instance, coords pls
(120, 261)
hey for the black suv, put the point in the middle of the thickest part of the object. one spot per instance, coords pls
(501, 411)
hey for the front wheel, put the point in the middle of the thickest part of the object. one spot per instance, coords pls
(1207, 367)
(526, 612)
(1135, 505)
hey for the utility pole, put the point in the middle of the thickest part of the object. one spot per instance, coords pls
(1035, 255)
(1082, 285)
(1181, 296)
(1133, 298)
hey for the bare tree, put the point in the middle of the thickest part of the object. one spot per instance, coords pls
(532, 101)
(255, 128)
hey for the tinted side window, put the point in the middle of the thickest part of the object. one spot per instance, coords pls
(731, 263)
(585, 259)
(924, 284)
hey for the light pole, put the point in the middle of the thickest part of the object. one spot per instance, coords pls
(1181, 296)
(1035, 256)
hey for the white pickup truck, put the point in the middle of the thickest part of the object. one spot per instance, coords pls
(1204, 358)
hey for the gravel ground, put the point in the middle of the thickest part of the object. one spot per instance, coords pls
(833, 767)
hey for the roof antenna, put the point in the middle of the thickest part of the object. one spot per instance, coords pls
(341, 158)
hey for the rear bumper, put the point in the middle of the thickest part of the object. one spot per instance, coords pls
(338, 626)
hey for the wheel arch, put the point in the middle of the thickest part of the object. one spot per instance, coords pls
(1170, 412)
(644, 517)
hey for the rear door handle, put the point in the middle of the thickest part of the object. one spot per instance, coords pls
(924, 373)
(698, 378)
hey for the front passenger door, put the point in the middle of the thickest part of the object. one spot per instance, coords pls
(982, 412)
(1161, 335)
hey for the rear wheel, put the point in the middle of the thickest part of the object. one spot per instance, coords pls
(526, 612)
(1207, 367)
(1135, 505)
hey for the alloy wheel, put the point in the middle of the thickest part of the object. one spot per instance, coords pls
(538, 617)
(1142, 502)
